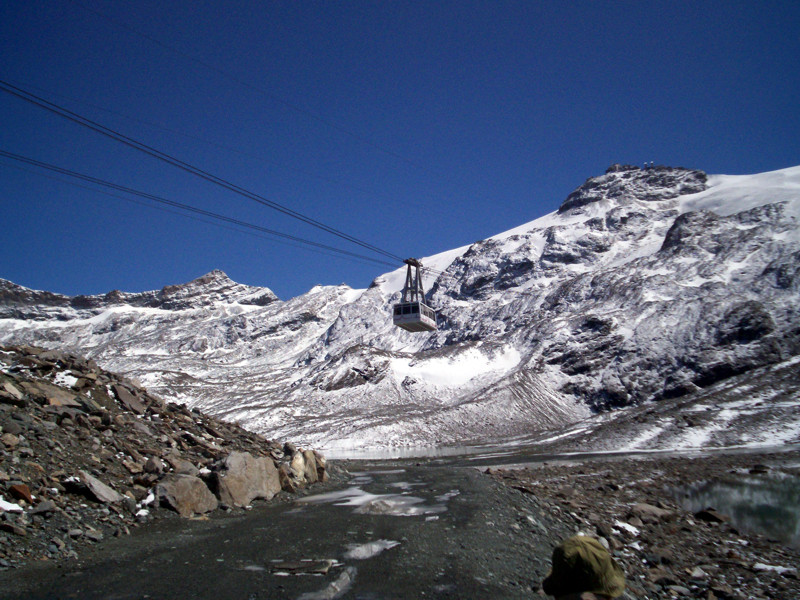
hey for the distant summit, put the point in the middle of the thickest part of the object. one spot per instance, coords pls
(622, 182)
(17, 302)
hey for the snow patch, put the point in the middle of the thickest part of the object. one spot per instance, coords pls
(455, 370)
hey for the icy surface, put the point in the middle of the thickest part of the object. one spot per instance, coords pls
(370, 549)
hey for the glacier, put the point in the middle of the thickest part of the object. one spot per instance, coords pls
(646, 287)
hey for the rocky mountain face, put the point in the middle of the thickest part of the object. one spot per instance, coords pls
(646, 284)
(86, 454)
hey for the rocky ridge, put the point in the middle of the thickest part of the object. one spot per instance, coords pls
(86, 454)
(17, 302)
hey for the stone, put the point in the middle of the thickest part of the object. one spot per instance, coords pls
(94, 535)
(133, 468)
(10, 394)
(181, 466)
(10, 440)
(648, 513)
(242, 478)
(710, 515)
(13, 528)
(51, 395)
(46, 506)
(186, 495)
(285, 478)
(310, 470)
(98, 489)
(128, 400)
(297, 466)
(680, 590)
(21, 491)
(154, 465)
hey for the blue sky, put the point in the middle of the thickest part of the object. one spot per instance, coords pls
(414, 126)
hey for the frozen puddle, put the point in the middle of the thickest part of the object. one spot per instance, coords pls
(336, 589)
(400, 505)
(368, 550)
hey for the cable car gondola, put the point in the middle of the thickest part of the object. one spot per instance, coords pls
(411, 313)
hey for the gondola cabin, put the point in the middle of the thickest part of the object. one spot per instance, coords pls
(414, 316)
(411, 313)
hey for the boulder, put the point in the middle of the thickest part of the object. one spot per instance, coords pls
(185, 494)
(711, 515)
(322, 463)
(154, 465)
(310, 471)
(242, 478)
(285, 477)
(10, 440)
(297, 466)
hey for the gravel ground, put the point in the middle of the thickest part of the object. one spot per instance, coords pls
(424, 529)
(667, 551)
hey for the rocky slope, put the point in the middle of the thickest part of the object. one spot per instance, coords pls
(86, 454)
(646, 284)
(667, 547)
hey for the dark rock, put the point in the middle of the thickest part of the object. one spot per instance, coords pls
(13, 528)
(154, 466)
(99, 490)
(710, 515)
(46, 506)
(128, 400)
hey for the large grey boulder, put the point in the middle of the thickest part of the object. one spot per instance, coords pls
(242, 478)
(185, 494)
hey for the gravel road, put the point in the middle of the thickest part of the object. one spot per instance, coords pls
(437, 529)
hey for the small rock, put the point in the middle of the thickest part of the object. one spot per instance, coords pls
(21, 491)
(710, 515)
(94, 535)
(10, 440)
(13, 528)
(99, 490)
(154, 465)
(649, 513)
(46, 506)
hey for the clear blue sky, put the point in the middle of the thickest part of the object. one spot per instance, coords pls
(414, 126)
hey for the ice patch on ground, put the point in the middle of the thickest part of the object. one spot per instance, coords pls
(368, 550)
(65, 379)
(336, 589)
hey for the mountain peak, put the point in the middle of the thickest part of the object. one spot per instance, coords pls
(628, 182)
(211, 288)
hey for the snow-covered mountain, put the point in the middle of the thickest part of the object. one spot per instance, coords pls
(646, 284)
